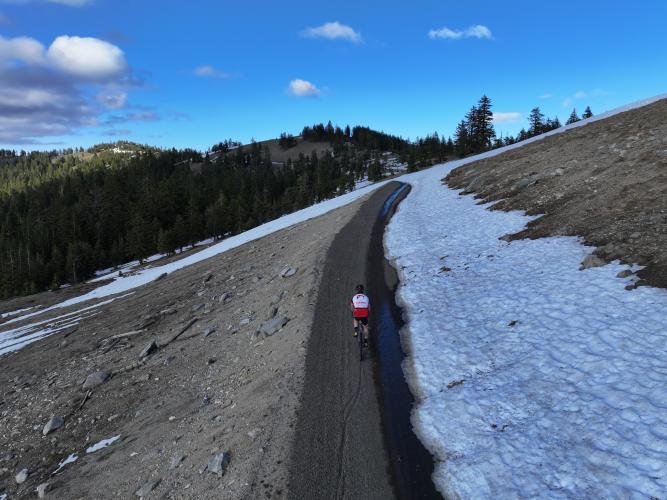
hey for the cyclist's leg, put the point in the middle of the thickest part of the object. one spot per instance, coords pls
(355, 323)
(365, 327)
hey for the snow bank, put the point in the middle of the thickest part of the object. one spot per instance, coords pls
(534, 379)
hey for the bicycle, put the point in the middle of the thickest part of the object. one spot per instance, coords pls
(360, 337)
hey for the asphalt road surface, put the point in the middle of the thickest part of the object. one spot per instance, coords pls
(340, 450)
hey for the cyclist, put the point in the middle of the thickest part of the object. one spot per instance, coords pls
(360, 307)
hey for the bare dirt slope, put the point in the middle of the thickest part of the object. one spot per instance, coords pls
(235, 390)
(605, 181)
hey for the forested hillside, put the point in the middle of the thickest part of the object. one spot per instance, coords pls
(65, 214)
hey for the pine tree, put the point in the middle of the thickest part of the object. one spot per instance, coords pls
(536, 120)
(461, 139)
(573, 117)
(587, 113)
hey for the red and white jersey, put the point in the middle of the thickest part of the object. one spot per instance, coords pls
(361, 305)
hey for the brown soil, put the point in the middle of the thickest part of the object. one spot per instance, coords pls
(605, 181)
(235, 390)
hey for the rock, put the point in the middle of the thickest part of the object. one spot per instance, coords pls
(209, 331)
(254, 433)
(225, 297)
(272, 312)
(288, 271)
(146, 488)
(55, 423)
(273, 325)
(207, 277)
(635, 236)
(197, 307)
(96, 379)
(624, 274)
(21, 476)
(150, 348)
(558, 172)
(43, 489)
(521, 184)
(218, 463)
(176, 460)
(244, 321)
(167, 312)
(256, 279)
(590, 261)
(163, 275)
(506, 237)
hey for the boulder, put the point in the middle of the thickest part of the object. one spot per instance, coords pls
(146, 488)
(288, 271)
(218, 463)
(22, 476)
(273, 325)
(55, 423)
(590, 261)
(96, 379)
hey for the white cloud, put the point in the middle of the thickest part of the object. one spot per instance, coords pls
(507, 117)
(23, 49)
(56, 90)
(303, 88)
(581, 94)
(334, 31)
(88, 58)
(546, 96)
(207, 71)
(475, 31)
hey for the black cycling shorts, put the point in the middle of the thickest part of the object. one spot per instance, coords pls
(363, 321)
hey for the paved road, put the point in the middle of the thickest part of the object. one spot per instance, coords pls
(340, 449)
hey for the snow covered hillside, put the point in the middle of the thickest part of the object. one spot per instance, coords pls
(534, 379)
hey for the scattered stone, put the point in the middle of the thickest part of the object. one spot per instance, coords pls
(176, 460)
(218, 463)
(55, 423)
(225, 297)
(624, 274)
(590, 261)
(96, 379)
(635, 236)
(558, 172)
(146, 488)
(272, 312)
(244, 321)
(197, 307)
(21, 476)
(43, 489)
(147, 321)
(445, 269)
(521, 184)
(276, 298)
(288, 271)
(272, 326)
(512, 323)
(454, 383)
(150, 348)
(207, 277)
(206, 400)
(211, 361)
(256, 279)
(168, 311)
(254, 433)
(209, 331)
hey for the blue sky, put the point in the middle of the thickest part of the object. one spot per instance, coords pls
(190, 74)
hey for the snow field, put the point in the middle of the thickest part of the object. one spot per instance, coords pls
(534, 379)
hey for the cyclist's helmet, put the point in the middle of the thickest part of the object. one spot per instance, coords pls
(359, 288)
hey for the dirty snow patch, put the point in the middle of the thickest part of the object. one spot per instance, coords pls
(102, 444)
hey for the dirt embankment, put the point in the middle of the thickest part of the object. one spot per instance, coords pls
(221, 386)
(605, 181)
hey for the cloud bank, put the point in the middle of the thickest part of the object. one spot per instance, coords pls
(477, 31)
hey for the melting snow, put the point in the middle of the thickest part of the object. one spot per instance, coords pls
(102, 444)
(14, 313)
(71, 459)
(533, 379)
